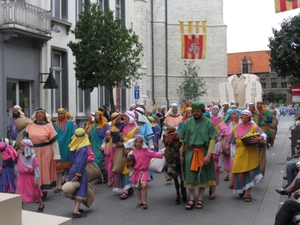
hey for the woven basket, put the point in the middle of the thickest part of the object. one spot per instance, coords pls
(247, 140)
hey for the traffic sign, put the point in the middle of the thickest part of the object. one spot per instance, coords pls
(296, 89)
(137, 94)
(296, 98)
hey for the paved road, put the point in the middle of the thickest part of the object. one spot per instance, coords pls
(226, 209)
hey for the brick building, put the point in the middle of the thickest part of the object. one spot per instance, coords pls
(257, 63)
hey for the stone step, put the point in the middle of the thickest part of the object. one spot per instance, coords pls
(10, 209)
(35, 218)
(11, 213)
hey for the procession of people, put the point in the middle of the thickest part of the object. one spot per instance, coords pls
(211, 136)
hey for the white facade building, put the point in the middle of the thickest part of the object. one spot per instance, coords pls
(33, 41)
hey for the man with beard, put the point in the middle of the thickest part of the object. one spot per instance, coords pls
(13, 131)
(198, 135)
(65, 129)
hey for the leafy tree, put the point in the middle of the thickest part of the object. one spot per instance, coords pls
(107, 53)
(193, 86)
(280, 98)
(285, 48)
(271, 96)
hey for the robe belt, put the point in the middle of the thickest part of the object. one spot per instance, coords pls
(264, 127)
(197, 160)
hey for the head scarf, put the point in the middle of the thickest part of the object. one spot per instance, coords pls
(246, 112)
(131, 142)
(227, 116)
(131, 117)
(152, 114)
(152, 121)
(184, 117)
(17, 107)
(28, 151)
(198, 105)
(103, 120)
(79, 140)
(62, 110)
(263, 107)
(8, 152)
(47, 118)
(141, 117)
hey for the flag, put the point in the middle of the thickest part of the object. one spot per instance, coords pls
(285, 5)
(193, 43)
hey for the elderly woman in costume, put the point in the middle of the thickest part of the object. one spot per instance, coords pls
(121, 181)
(44, 138)
(216, 119)
(7, 180)
(97, 135)
(245, 168)
(198, 135)
(65, 129)
(79, 148)
(29, 175)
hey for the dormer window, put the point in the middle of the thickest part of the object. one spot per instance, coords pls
(245, 65)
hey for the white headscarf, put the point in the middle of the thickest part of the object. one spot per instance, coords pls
(130, 143)
(131, 117)
(48, 116)
(28, 155)
(17, 107)
(141, 117)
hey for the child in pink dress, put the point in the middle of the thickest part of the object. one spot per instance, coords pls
(140, 174)
(109, 149)
(29, 175)
(7, 178)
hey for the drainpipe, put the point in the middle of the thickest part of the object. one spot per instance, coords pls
(166, 48)
(152, 51)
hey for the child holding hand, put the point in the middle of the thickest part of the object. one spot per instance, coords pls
(29, 175)
(140, 175)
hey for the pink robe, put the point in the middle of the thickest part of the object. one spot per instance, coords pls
(109, 158)
(25, 182)
(142, 161)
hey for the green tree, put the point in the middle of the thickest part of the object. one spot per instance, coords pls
(271, 96)
(193, 86)
(285, 48)
(280, 98)
(107, 53)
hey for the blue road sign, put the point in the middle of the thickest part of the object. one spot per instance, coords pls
(137, 94)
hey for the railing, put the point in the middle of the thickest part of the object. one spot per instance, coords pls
(14, 12)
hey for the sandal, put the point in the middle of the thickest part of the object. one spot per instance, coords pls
(226, 178)
(140, 204)
(58, 190)
(123, 196)
(248, 198)
(190, 205)
(212, 197)
(130, 191)
(79, 215)
(242, 194)
(145, 206)
(199, 204)
(41, 209)
(98, 181)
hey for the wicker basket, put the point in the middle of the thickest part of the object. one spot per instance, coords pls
(247, 140)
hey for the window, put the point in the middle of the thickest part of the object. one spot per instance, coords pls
(283, 82)
(263, 82)
(118, 8)
(60, 9)
(56, 100)
(245, 65)
(273, 83)
(264, 98)
(80, 100)
(80, 6)
(101, 4)
(103, 94)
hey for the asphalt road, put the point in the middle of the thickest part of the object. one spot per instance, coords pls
(227, 208)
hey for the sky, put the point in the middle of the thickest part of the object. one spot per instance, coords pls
(249, 23)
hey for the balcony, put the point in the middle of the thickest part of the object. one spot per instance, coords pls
(18, 18)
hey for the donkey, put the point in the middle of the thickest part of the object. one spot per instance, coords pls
(173, 168)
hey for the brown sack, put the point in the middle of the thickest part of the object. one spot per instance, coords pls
(22, 123)
(274, 123)
(119, 161)
(19, 138)
(90, 196)
(93, 172)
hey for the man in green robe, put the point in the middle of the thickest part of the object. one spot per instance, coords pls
(198, 135)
